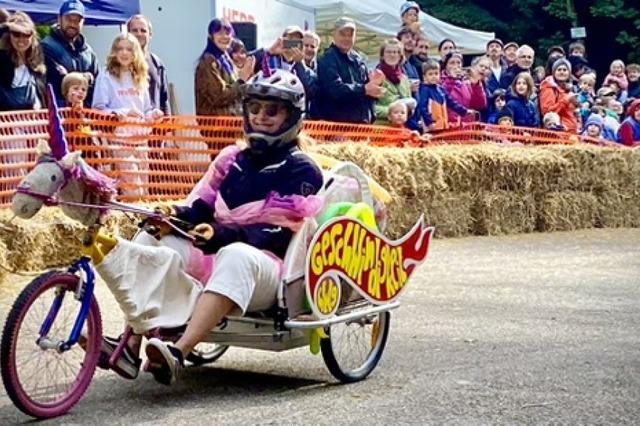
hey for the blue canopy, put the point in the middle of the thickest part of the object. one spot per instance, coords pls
(97, 12)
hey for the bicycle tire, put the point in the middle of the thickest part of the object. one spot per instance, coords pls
(13, 379)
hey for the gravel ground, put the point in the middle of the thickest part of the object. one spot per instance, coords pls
(526, 329)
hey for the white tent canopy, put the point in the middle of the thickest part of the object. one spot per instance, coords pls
(380, 19)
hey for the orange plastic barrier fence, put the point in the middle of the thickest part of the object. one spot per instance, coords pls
(469, 133)
(164, 159)
(151, 160)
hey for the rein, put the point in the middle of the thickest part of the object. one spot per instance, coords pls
(51, 201)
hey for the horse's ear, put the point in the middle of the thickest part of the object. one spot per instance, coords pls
(71, 159)
(43, 148)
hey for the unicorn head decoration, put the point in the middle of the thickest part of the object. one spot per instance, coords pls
(61, 176)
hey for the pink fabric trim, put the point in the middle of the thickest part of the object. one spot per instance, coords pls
(208, 186)
(289, 211)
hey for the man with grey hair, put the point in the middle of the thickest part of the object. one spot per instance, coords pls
(525, 56)
(310, 46)
(346, 90)
(140, 27)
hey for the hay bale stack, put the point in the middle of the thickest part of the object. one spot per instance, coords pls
(567, 211)
(511, 187)
(503, 212)
(50, 239)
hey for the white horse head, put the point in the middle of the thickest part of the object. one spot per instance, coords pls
(60, 174)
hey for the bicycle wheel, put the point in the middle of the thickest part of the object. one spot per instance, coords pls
(354, 348)
(45, 383)
(206, 353)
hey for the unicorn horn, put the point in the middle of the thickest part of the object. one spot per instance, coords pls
(266, 70)
(57, 141)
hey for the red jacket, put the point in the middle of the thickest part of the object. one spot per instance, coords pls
(555, 98)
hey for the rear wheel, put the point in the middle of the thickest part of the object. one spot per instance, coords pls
(41, 380)
(354, 348)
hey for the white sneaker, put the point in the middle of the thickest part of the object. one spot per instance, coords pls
(165, 361)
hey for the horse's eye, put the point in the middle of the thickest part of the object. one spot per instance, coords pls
(54, 178)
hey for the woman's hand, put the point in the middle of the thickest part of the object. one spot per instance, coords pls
(155, 114)
(203, 232)
(165, 209)
(246, 71)
(135, 113)
(277, 47)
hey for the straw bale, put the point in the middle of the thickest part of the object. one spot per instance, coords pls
(618, 210)
(567, 211)
(593, 168)
(504, 212)
(449, 212)
(402, 171)
(51, 239)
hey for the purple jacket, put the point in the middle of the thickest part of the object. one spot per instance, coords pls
(251, 178)
(470, 96)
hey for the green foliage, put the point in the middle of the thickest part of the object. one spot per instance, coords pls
(43, 31)
(613, 26)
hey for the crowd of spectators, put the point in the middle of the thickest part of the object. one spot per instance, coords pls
(407, 88)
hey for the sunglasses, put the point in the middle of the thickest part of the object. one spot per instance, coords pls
(271, 109)
(17, 34)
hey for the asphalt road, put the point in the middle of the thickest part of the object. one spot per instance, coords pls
(527, 329)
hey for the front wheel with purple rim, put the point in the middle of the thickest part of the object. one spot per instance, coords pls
(46, 383)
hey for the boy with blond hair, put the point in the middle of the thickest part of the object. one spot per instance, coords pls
(74, 89)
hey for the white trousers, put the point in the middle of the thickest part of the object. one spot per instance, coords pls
(148, 279)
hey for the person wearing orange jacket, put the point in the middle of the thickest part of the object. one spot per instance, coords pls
(556, 95)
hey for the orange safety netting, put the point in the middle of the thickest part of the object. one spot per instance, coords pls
(151, 160)
(469, 133)
(164, 159)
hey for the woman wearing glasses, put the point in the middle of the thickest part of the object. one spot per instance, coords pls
(244, 210)
(22, 69)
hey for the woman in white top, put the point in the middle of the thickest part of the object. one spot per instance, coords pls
(123, 89)
(22, 80)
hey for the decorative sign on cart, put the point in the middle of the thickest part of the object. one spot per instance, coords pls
(376, 267)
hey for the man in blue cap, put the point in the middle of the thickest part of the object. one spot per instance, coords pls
(65, 50)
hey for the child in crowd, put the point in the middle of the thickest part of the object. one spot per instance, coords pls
(633, 76)
(433, 100)
(610, 125)
(616, 73)
(593, 127)
(123, 90)
(586, 94)
(505, 118)
(499, 97)
(577, 49)
(74, 89)
(238, 53)
(399, 113)
(524, 110)
(551, 121)
(629, 132)
(409, 13)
